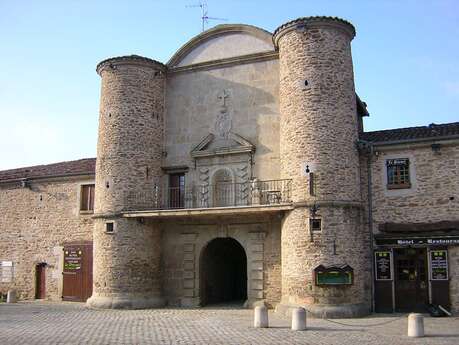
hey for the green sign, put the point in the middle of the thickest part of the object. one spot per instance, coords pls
(333, 278)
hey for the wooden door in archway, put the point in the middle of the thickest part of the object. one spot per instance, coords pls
(40, 281)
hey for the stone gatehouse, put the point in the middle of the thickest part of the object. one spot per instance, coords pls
(240, 171)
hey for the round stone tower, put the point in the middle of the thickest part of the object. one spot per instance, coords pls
(318, 134)
(126, 264)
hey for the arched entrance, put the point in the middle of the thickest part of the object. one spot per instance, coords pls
(223, 272)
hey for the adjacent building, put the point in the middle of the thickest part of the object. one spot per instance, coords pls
(240, 171)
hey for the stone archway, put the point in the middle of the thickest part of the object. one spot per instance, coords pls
(223, 272)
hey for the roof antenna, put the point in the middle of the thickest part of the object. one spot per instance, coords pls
(204, 11)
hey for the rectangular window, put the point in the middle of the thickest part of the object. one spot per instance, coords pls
(109, 227)
(176, 190)
(398, 173)
(315, 224)
(87, 197)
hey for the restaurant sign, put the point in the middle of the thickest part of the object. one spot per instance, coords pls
(72, 259)
(438, 264)
(383, 265)
(432, 241)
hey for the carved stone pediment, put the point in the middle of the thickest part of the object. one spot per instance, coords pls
(216, 146)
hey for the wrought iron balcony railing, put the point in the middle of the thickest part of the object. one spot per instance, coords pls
(251, 193)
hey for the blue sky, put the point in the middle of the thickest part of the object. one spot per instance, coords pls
(406, 61)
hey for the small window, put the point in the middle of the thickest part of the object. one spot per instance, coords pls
(398, 173)
(315, 224)
(109, 227)
(176, 190)
(87, 198)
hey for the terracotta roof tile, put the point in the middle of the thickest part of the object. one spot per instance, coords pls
(78, 167)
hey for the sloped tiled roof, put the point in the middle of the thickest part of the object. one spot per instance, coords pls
(412, 133)
(78, 167)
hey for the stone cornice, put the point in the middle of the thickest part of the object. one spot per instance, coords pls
(232, 61)
(314, 22)
(328, 203)
(212, 211)
(132, 60)
(244, 146)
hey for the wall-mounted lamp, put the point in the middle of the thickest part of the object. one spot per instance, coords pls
(25, 183)
(313, 210)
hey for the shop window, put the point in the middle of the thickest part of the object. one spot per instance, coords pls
(398, 173)
(87, 198)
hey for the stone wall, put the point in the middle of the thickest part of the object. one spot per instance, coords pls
(130, 141)
(193, 105)
(433, 196)
(319, 130)
(128, 170)
(184, 241)
(434, 180)
(35, 224)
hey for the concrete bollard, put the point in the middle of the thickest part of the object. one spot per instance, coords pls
(415, 325)
(260, 317)
(298, 319)
(11, 296)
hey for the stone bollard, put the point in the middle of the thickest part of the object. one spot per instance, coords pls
(261, 317)
(415, 325)
(298, 319)
(11, 296)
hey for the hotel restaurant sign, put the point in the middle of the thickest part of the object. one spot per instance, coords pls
(431, 241)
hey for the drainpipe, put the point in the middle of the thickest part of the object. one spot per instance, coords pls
(370, 225)
(367, 147)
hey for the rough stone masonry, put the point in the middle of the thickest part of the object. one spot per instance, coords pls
(239, 171)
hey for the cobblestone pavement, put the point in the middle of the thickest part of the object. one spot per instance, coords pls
(71, 323)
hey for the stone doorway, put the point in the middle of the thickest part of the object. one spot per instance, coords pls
(223, 272)
(40, 281)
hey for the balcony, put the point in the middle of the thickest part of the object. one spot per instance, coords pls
(219, 198)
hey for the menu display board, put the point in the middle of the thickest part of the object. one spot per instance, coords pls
(334, 275)
(438, 264)
(72, 259)
(383, 265)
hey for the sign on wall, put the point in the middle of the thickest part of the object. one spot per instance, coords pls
(72, 259)
(334, 275)
(438, 241)
(383, 265)
(6, 272)
(438, 264)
